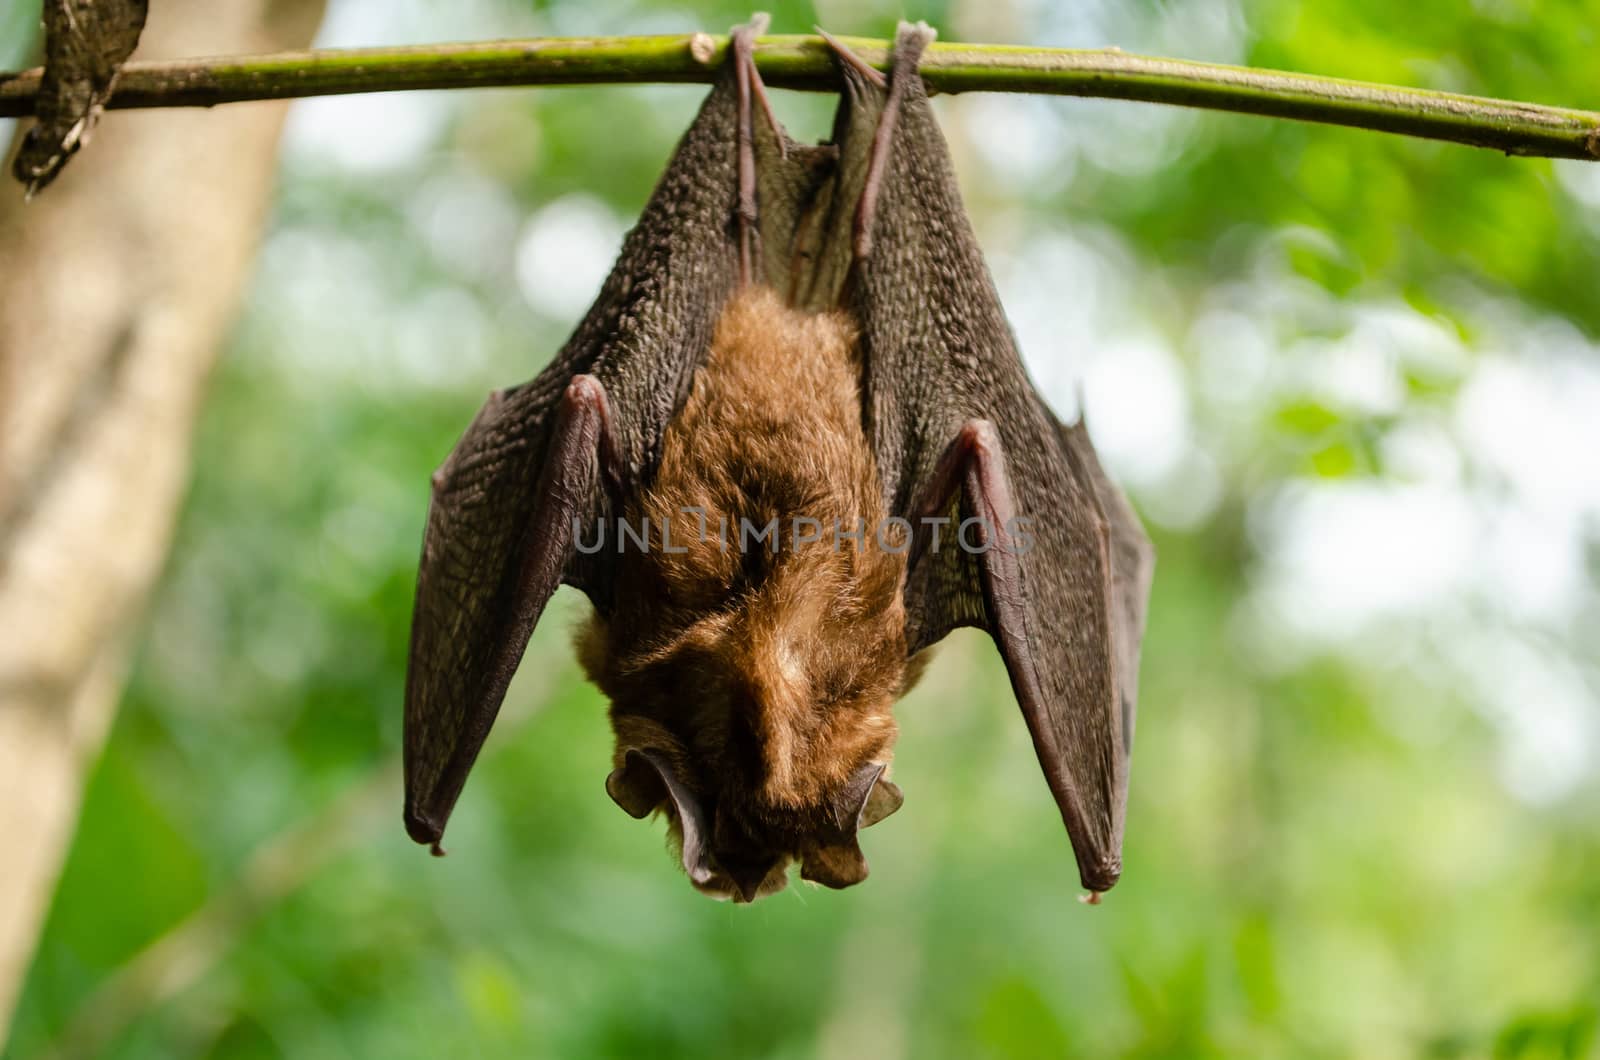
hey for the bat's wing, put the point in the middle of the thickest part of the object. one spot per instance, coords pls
(524, 477)
(1133, 562)
(954, 419)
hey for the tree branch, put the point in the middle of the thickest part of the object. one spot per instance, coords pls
(805, 63)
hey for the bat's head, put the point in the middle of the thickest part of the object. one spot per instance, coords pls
(739, 847)
(762, 729)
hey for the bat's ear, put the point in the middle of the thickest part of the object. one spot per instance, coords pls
(636, 786)
(883, 800)
(647, 779)
(836, 865)
(836, 860)
(868, 798)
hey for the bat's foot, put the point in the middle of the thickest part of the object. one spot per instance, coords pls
(1092, 898)
(744, 40)
(436, 850)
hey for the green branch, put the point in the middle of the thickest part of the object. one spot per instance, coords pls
(804, 62)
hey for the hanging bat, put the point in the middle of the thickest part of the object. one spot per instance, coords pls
(85, 44)
(791, 446)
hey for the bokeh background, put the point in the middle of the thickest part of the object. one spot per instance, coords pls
(1352, 382)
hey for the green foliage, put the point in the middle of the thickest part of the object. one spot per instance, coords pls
(1322, 858)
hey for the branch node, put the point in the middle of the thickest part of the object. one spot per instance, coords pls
(702, 48)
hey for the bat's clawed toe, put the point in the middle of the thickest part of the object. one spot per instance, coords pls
(759, 22)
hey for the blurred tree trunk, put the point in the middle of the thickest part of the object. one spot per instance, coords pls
(119, 282)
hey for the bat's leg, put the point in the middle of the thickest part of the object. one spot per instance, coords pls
(751, 91)
(904, 68)
(758, 88)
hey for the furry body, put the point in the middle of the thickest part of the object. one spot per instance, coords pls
(765, 674)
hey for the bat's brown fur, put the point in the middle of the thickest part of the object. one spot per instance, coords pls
(766, 678)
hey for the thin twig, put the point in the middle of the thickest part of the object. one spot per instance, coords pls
(805, 62)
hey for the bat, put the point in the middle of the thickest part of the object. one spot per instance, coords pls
(790, 447)
(85, 43)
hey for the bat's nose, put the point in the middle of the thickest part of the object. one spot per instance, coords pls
(747, 880)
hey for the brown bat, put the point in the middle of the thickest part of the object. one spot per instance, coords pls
(791, 446)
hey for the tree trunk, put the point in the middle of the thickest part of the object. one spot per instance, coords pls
(119, 284)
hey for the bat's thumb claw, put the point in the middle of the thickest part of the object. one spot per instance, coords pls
(1099, 874)
(422, 830)
(1092, 898)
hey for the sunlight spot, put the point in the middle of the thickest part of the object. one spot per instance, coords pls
(565, 253)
